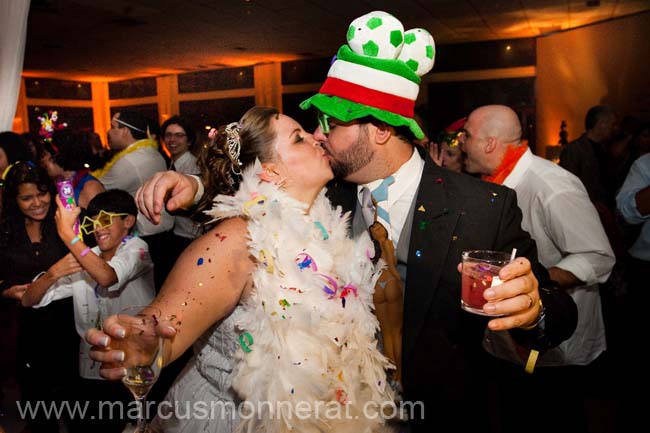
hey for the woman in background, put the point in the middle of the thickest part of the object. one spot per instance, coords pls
(29, 245)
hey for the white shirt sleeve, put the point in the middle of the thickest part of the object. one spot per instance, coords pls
(62, 289)
(574, 225)
(200, 190)
(129, 262)
(637, 179)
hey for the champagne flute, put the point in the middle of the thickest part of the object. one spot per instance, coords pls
(142, 354)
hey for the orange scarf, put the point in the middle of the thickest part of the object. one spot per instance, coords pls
(509, 162)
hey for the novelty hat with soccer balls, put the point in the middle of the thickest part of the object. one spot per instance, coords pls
(378, 73)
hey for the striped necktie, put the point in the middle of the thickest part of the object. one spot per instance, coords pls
(370, 203)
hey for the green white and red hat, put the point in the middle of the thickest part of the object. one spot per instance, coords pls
(377, 73)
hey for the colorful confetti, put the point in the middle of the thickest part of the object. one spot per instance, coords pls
(418, 253)
(304, 260)
(284, 303)
(341, 396)
(199, 262)
(423, 225)
(320, 227)
(331, 286)
(266, 261)
(421, 208)
(245, 341)
(256, 200)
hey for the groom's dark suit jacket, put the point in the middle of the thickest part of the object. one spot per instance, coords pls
(444, 364)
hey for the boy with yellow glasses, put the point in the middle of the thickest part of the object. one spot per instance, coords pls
(117, 273)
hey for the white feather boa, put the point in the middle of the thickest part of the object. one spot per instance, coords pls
(308, 331)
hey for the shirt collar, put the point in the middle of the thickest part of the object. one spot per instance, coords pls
(517, 173)
(408, 173)
(181, 159)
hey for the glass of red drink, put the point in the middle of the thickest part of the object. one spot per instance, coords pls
(480, 272)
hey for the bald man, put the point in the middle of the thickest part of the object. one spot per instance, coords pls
(570, 239)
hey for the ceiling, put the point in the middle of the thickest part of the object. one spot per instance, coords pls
(106, 40)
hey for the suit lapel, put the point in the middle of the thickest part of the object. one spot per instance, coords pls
(431, 235)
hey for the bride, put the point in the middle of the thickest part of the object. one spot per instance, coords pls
(276, 299)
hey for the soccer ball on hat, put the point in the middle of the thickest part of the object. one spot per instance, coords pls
(418, 51)
(376, 34)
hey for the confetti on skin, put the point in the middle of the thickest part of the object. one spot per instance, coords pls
(220, 236)
(341, 396)
(199, 262)
(245, 341)
(320, 227)
(418, 253)
(340, 376)
(421, 208)
(184, 304)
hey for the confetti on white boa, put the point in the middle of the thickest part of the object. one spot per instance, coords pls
(308, 331)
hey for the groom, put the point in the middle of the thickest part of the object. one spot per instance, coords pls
(365, 111)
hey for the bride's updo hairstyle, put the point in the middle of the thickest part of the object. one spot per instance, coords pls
(232, 148)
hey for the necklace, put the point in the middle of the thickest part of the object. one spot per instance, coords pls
(140, 144)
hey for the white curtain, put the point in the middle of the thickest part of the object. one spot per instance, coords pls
(13, 32)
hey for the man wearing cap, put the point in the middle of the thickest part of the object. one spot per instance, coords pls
(365, 112)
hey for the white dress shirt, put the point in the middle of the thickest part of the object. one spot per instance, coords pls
(401, 194)
(92, 303)
(637, 179)
(563, 222)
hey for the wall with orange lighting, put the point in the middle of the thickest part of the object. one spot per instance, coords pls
(607, 63)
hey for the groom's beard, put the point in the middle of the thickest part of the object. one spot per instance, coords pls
(353, 158)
